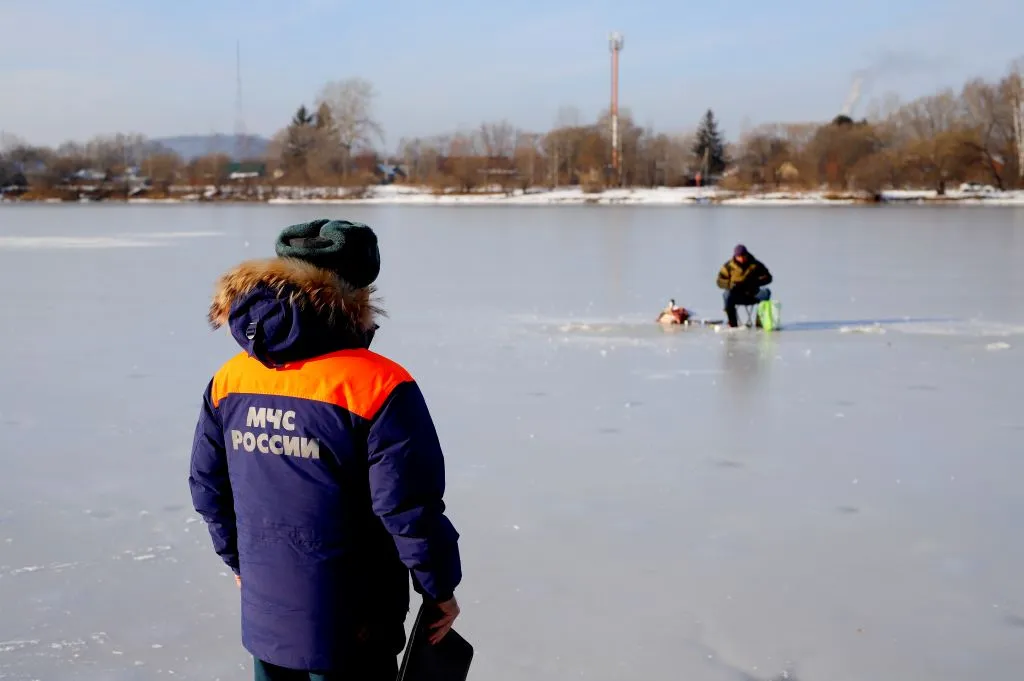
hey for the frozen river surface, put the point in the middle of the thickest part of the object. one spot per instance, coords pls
(840, 501)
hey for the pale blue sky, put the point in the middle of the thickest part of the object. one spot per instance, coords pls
(75, 68)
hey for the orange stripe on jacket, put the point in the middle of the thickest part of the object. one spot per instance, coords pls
(356, 380)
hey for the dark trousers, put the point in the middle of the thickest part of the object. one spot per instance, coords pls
(382, 667)
(736, 297)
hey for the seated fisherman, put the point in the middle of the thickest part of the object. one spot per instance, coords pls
(743, 278)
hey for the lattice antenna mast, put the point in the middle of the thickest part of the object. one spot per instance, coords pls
(241, 139)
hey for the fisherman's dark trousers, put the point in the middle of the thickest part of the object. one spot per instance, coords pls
(381, 665)
(736, 297)
(381, 668)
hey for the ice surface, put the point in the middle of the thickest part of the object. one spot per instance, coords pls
(839, 501)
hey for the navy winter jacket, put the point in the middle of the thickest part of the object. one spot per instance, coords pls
(318, 470)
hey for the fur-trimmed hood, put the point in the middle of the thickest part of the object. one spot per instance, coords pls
(298, 307)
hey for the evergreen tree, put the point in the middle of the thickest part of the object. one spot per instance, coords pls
(302, 117)
(709, 149)
(301, 142)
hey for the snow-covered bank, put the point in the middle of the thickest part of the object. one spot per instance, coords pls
(537, 196)
(659, 196)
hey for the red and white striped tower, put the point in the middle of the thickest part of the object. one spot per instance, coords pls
(615, 46)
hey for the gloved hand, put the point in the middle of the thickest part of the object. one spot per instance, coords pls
(743, 288)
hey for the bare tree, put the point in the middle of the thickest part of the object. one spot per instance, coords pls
(14, 154)
(211, 169)
(164, 170)
(440, 172)
(929, 116)
(563, 145)
(679, 158)
(988, 113)
(498, 139)
(465, 163)
(881, 109)
(840, 147)
(22, 154)
(527, 159)
(411, 153)
(649, 164)
(761, 155)
(9, 141)
(936, 138)
(350, 102)
(114, 153)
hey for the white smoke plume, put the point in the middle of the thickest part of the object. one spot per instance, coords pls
(854, 96)
(888, 63)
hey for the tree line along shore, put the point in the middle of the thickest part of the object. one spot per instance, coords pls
(949, 144)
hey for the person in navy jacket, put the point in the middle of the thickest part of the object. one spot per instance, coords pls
(317, 467)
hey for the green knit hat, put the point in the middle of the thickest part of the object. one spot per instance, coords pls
(349, 249)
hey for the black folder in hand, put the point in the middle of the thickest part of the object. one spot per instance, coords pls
(448, 660)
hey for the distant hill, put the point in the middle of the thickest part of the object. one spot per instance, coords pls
(194, 146)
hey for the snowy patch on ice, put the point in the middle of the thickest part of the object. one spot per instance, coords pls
(583, 326)
(124, 240)
(604, 342)
(998, 346)
(148, 553)
(11, 646)
(870, 328)
(171, 235)
(73, 643)
(52, 242)
(71, 648)
(972, 328)
(52, 567)
(592, 331)
(685, 373)
(636, 330)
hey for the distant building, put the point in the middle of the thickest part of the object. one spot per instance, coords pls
(89, 175)
(388, 173)
(12, 182)
(246, 170)
(364, 163)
